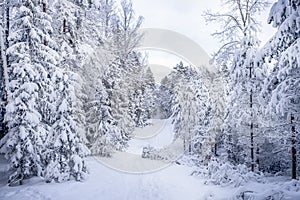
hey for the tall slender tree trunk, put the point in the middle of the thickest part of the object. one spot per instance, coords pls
(184, 143)
(2, 109)
(251, 125)
(190, 145)
(251, 137)
(6, 45)
(45, 10)
(7, 24)
(294, 160)
(257, 157)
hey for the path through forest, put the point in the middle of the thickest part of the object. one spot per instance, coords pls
(126, 176)
(159, 134)
(133, 177)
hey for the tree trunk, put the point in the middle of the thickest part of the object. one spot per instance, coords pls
(294, 160)
(64, 26)
(257, 157)
(184, 144)
(251, 125)
(252, 145)
(44, 10)
(216, 148)
(7, 20)
(44, 7)
(1, 87)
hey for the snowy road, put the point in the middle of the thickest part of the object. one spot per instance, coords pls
(159, 135)
(105, 183)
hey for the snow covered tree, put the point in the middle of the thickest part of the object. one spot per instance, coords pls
(190, 110)
(185, 115)
(138, 107)
(142, 98)
(238, 36)
(102, 131)
(217, 92)
(26, 132)
(4, 33)
(118, 101)
(67, 34)
(124, 69)
(274, 149)
(106, 135)
(108, 15)
(65, 150)
(150, 87)
(76, 71)
(177, 100)
(244, 103)
(36, 107)
(283, 85)
(232, 26)
(205, 138)
(164, 97)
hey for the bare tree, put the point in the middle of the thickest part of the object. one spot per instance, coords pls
(128, 27)
(109, 13)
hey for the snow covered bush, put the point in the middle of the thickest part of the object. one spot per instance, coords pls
(283, 190)
(78, 167)
(152, 153)
(107, 139)
(52, 172)
(224, 173)
(167, 153)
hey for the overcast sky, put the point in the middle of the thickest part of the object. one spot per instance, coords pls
(185, 17)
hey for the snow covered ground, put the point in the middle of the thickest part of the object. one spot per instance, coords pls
(171, 183)
(125, 177)
(158, 135)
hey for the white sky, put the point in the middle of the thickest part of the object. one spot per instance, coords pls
(185, 17)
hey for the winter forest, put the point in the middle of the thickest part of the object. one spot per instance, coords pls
(76, 91)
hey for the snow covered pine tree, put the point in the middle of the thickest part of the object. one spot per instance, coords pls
(284, 84)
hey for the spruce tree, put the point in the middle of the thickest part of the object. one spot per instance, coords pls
(27, 77)
(283, 84)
